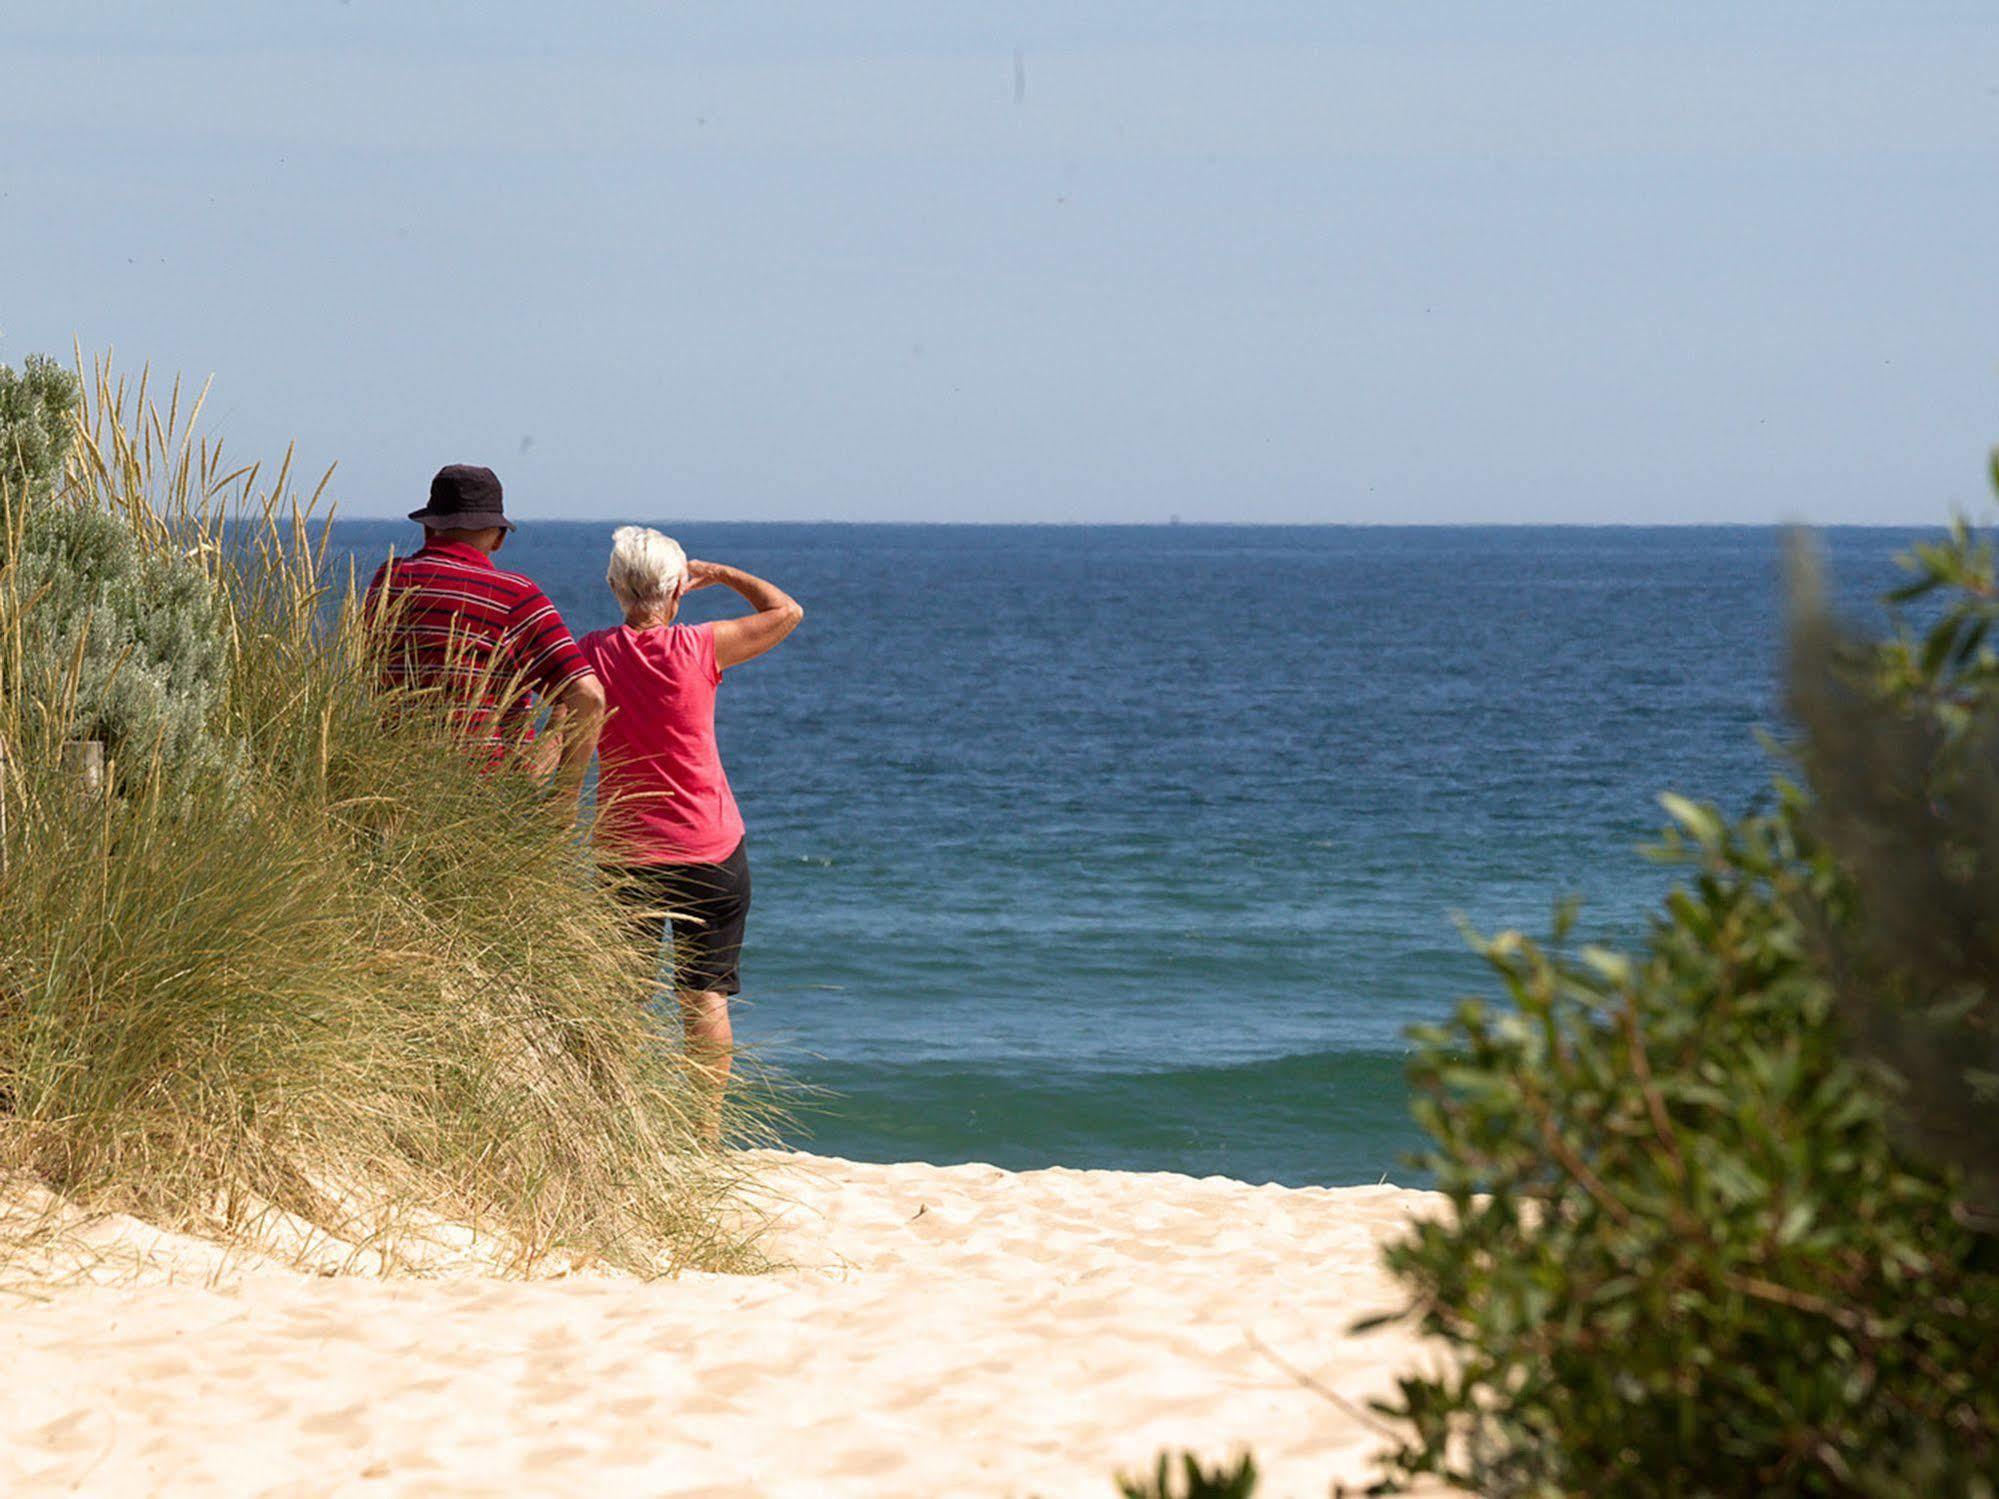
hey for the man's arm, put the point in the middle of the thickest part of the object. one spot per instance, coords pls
(545, 654)
(744, 639)
(570, 737)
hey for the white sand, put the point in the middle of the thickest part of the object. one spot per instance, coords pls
(951, 1331)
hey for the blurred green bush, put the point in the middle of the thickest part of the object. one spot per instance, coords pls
(1724, 1205)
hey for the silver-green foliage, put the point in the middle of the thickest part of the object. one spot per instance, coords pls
(36, 410)
(130, 642)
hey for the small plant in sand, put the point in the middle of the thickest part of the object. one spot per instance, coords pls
(1190, 1478)
(1725, 1206)
(303, 956)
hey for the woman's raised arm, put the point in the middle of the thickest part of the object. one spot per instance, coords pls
(746, 638)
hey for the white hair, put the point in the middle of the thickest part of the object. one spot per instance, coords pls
(646, 567)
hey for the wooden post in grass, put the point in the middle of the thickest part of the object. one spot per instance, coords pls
(83, 762)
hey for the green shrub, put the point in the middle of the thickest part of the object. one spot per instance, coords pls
(130, 644)
(1698, 1248)
(360, 980)
(37, 409)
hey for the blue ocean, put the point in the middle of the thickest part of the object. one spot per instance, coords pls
(1141, 847)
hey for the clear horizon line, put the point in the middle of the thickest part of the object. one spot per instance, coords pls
(1221, 525)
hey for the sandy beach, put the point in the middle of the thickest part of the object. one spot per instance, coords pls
(944, 1330)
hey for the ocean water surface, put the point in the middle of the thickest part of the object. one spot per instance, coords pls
(1140, 847)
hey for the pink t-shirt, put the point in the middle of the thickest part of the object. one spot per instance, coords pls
(661, 795)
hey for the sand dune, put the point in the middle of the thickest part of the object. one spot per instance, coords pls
(947, 1331)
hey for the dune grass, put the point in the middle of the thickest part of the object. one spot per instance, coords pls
(339, 971)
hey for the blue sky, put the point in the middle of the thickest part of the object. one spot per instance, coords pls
(1043, 261)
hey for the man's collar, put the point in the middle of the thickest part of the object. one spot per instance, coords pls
(459, 551)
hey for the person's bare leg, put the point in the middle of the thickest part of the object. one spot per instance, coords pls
(704, 1020)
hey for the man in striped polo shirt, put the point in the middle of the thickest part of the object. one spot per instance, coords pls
(453, 620)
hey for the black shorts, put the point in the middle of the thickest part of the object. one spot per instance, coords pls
(706, 904)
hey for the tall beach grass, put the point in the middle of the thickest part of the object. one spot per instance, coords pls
(337, 970)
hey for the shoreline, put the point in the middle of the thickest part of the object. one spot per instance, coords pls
(941, 1329)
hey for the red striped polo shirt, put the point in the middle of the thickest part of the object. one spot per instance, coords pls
(454, 620)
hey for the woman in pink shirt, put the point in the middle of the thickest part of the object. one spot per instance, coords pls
(667, 825)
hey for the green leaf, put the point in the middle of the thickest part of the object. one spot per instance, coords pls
(1614, 966)
(1937, 647)
(1699, 821)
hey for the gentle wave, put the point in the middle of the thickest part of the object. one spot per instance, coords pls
(1323, 1118)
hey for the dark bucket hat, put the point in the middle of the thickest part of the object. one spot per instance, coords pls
(464, 497)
